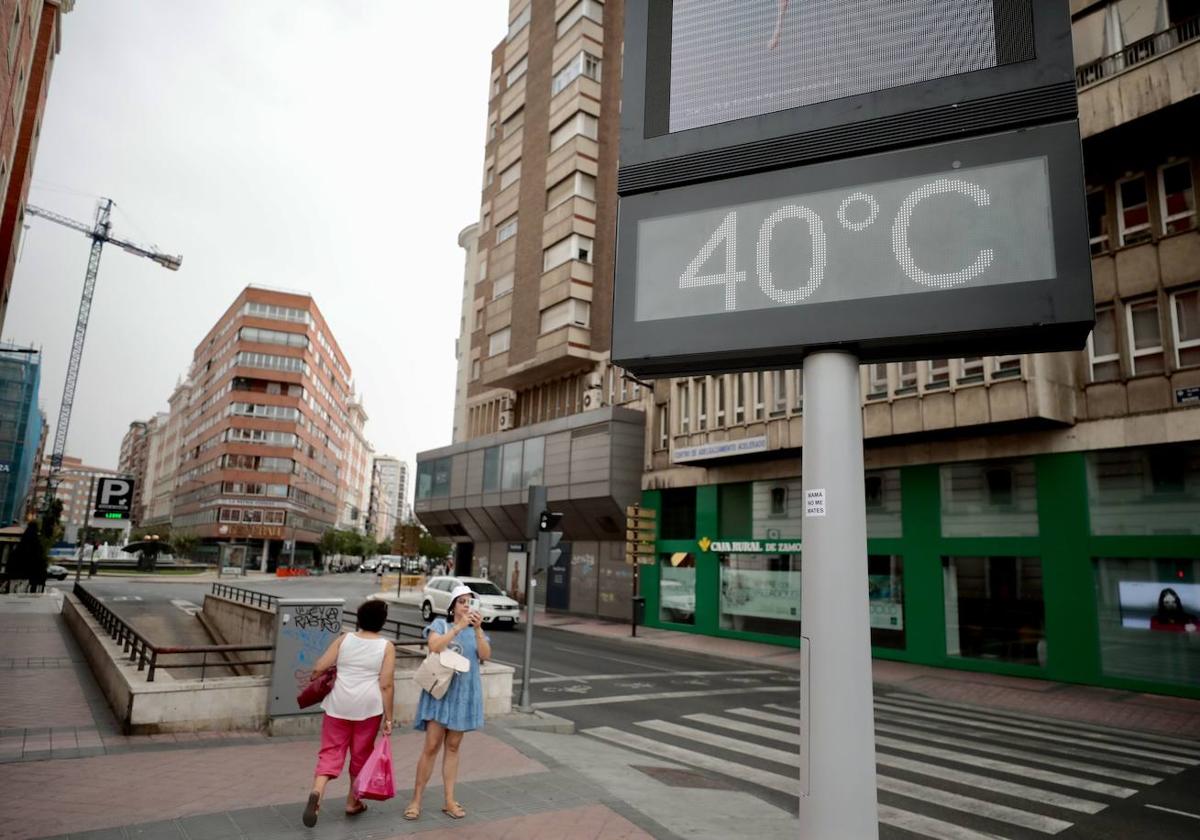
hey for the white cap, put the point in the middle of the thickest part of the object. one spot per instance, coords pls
(459, 590)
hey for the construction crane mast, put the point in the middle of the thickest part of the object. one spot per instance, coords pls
(99, 233)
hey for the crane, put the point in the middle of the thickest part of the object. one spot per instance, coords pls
(99, 233)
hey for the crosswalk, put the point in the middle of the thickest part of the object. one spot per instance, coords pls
(946, 770)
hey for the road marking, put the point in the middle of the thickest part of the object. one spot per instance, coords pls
(1173, 751)
(187, 606)
(115, 598)
(971, 805)
(928, 826)
(559, 677)
(789, 758)
(981, 746)
(1049, 736)
(766, 732)
(645, 676)
(578, 688)
(763, 778)
(962, 777)
(592, 655)
(1165, 740)
(1173, 811)
(1020, 770)
(660, 695)
(767, 716)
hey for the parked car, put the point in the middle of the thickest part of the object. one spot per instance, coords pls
(56, 571)
(497, 608)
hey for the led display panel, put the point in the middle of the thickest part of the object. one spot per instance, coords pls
(734, 60)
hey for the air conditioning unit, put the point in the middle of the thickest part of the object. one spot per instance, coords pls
(592, 398)
(508, 420)
(507, 403)
(595, 381)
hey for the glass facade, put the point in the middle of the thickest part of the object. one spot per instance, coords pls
(20, 429)
(760, 593)
(1155, 490)
(994, 608)
(989, 499)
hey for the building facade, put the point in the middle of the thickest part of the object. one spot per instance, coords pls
(543, 405)
(163, 453)
(265, 433)
(76, 490)
(33, 38)
(354, 503)
(1026, 515)
(468, 240)
(386, 499)
(133, 461)
(20, 429)
(403, 489)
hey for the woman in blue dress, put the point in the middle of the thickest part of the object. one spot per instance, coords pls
(461, 708)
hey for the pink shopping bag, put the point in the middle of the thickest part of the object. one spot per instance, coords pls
(375, 780)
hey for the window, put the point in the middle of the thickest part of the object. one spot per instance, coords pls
(577, 184)
(664, 427)
(496, 86)
(491, 469)
(885, 590)
(972, 369)
(1177, 198)
(14, 36)
(877, 384)
(739, 398)
(677, 589)
(1103, 355)
(570, 312)
(573, 247)
(1144, 491)
(778, 392)
(1185, 326)
(579, 124)
(275, 313)
(989, 499)
(760, 593)
(683, 403)
(720, 408)
(489, 177)
(514, 123)
(510, 466)
(491, 131)
(1097, 212)
(584, 8)
(510, 176)
(498, 341)
(995, 609)
(760, 394)
(517, 71)
(502, 286)
(506, 230)
(479, 316)
(701, 386)
(799, 376)
(1145, 336)
(519, 22)
(908, 378)
(938, 373)
(261, 336)
(1133, 211)
(582, 64)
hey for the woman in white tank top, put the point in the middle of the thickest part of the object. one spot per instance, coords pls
(362, 696)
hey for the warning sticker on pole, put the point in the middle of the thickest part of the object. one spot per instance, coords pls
(814, 502)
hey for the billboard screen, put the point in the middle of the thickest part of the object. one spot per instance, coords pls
(1153, 605)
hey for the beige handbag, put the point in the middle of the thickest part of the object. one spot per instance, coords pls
(439, 669)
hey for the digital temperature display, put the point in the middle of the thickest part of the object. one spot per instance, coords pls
(952, 229)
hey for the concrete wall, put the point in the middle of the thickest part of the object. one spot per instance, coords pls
(237, 623)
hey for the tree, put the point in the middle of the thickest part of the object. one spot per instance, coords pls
(89, 535)
(431, 548)
(383, 547)
(183, 544)
(50, 529)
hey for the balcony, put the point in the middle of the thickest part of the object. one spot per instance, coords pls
(1147, 75)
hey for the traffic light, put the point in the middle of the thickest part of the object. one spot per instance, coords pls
(549, 520)
(548, 539)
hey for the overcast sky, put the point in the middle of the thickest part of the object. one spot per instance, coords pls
(333, 147)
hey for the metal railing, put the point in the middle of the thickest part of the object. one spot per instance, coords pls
(1138, 52)
(146, 654)
(246, 596)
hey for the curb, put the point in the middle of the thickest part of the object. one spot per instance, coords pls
(535, 721)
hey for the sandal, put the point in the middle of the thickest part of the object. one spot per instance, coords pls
(412, 812)
(454, 811)
(362, 806)
(311, 810)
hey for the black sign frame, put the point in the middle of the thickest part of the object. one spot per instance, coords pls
(103, 510)
(1021, 93)
(1052, 314)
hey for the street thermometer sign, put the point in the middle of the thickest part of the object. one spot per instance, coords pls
(897, 178)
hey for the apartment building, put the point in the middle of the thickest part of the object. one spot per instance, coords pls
(20, 429)
(1026, 514)
(32, 39)
(468, 240)
(133, 461)
(164, 431)
(76, 490)
(265, 433)
(354, 501)
(385, 502)
(542, 404)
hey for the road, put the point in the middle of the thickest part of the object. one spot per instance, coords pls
(945, 770)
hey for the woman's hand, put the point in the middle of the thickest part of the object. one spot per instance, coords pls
(387, 727)
(475, 619)
(462, 622)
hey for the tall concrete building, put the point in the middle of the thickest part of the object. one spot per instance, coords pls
(20, 429)
(389, 473)
(33, 38)
(164, 450)
(403, 487)
(355, 500)
(76, 490)
(266, 431)
(543, 405)
(132, 461)
(468, 240)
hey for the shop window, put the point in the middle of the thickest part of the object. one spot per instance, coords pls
(1148, 491)
(1177, 198)
(778, 509)
(1149, 618)
(883, 504)
(1103, 353)
(760, 593)
(1133, 211)
(885, 591)
(735, 510)
(677, 516)
(989, 499)
(995, 609)
(1097, 213)
(677, 588)
(1145, 336)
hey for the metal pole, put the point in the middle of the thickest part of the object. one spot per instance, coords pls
(537, 503)
(840, 800)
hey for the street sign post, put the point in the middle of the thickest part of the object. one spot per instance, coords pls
(834, 181)
(536, 505)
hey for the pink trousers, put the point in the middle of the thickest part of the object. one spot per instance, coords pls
(338, 735)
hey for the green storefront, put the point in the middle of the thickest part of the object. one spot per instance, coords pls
(1080, 567)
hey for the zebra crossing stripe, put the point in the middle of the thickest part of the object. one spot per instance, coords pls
(962, 777)
(1181, 744)
(766, 732)
(789, 758)
(971, 805)
(763, 778)
(979, 746)
(1043, 748)
(1022, 770)
(928, 826)
(1017, 730)
(661, 695)
(758, 714)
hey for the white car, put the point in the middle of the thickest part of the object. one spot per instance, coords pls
(497, 608)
